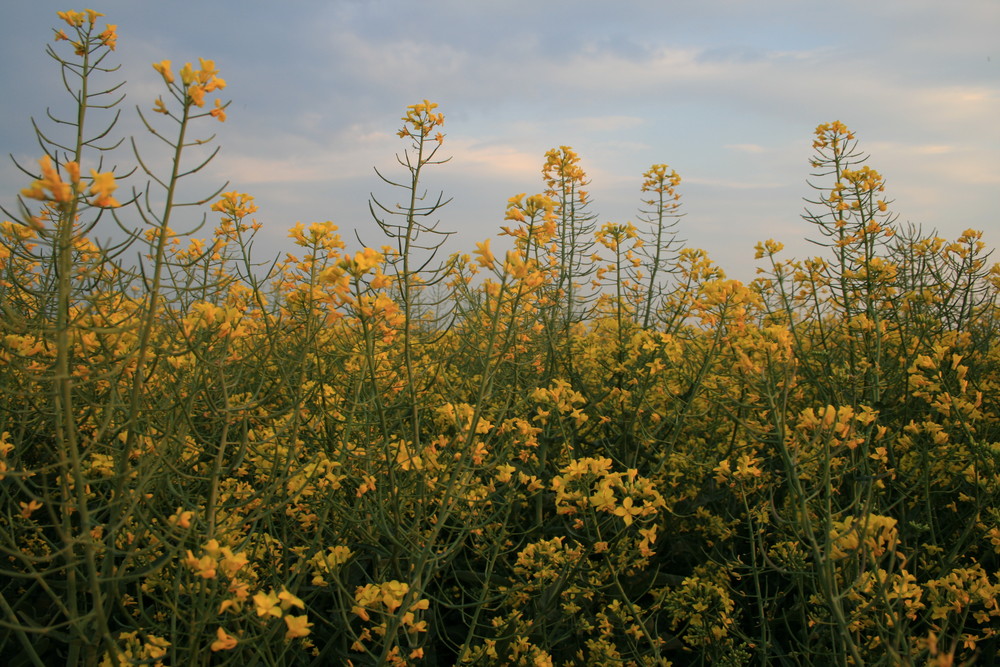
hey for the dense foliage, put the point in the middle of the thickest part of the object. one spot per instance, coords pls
(595, 449)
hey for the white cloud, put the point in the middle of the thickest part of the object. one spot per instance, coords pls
(492, 160)
(746, 148)
(612, 123)
(731, 184)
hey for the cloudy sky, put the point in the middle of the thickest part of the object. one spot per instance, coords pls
(727, 92)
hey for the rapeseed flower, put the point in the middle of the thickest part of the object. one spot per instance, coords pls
(298, 626)
(224, 641)
(163, 67)
(267, 604)
(109, 37)
(102, 186)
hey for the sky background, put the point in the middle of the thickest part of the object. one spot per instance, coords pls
(727, 92)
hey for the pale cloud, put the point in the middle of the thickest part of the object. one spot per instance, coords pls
(897, 149)
(403, 63)
(746, 148)
(252, 170)
(492, 160)
(613, 74)
(933, 150)
(943, 105)
(732, 184)
(605, 123)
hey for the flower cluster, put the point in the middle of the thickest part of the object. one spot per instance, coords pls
(195, 84)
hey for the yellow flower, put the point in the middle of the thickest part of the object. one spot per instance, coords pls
(163, 67)
(504, 473)
(102, 186)
(229, 604)
(338, 555)
(204, 566)
(156, 647)
(109, 37)
(298, 626)
(73, 169)
(483, 254)
(768, 248)
(27, 509)
(224, 642)
(187, 74)
(364, 261)
(627, 510)
(181, 518)
(207, 70)
(236, 205)
(289, 600)
(219, 111)
(298, 233)
(212, 548)
(215, 83)
(240, 589)
(51, 181)
(5, 446)
(267, 605)
(366, 596)
(723, 471)
(61, 192)
(393, 593)
(74, 19)
(603, 498)
(160, 107)
(231, 563)
(92, 15)
(197, 94)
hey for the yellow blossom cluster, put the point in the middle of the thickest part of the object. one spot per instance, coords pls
(589, 483)
(420, 120)
(51, 187)
(195, 84)
(108, 37)
(379, 604)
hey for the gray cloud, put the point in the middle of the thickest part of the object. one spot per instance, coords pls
(725, 91)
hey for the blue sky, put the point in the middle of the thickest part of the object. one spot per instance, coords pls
(727, 92)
